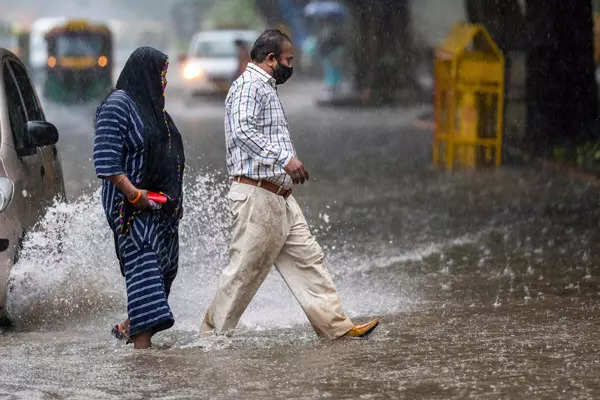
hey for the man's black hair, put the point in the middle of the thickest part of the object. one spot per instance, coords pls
(270, 41)
(240, 43)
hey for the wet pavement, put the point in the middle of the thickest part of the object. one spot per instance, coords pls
(487, 282)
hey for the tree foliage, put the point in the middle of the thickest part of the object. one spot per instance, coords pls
(504, 20)
(562, 97)
(234, 14)
(382, 48)
(557, 37)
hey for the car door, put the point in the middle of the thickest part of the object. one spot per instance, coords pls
(11, 219)
(23, 163)
(51, 170)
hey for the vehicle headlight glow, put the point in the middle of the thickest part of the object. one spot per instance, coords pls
(192, 71)
(102, 61)
(6, 192)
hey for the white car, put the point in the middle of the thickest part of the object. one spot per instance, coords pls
(30, 169)
(213, 60)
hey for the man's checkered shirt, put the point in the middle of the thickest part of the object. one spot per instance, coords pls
(256, 129)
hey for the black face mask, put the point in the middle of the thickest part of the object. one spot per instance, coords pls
(282, 73)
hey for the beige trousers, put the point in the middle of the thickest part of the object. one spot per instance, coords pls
(271, 230)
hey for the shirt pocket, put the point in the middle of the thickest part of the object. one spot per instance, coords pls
(274, 112)
(279, 119)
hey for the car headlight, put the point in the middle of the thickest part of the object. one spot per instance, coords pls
(192, 71)
(6, 192)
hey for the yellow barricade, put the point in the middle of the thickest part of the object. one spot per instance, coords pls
(468, 99)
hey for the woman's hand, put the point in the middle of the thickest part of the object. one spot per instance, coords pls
(140, 201)
(137, 197)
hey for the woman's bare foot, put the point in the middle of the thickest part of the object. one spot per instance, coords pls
(142, 340)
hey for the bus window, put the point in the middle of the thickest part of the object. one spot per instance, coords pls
(78, 46)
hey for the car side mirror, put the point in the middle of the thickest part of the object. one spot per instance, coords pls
(41, 133)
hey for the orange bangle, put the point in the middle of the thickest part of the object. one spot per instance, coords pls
(137, 198)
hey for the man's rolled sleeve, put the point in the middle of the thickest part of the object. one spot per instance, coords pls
(284, 158)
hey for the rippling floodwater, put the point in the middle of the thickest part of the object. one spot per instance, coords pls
(487, 282)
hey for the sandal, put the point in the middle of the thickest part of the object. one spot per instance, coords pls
(121, 332)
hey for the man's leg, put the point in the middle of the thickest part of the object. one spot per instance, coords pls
(301, 266)
(258, 235)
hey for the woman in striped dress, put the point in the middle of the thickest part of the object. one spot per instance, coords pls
(138, 149)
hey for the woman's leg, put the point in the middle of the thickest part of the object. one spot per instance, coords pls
(172, 265)
(147, 305)
(142, 340)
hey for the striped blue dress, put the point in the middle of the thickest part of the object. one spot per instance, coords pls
(149, 252)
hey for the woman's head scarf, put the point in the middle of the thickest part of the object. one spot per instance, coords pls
(142, 79)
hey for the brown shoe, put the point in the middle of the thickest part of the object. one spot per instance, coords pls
(362, 330)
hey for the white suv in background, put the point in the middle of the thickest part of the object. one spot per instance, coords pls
(30, 169)
(212, 60)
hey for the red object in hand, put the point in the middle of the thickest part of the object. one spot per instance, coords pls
(157, 197)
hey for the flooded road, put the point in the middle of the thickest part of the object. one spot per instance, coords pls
(487, 283)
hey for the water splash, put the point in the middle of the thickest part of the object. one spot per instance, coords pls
(68, 268)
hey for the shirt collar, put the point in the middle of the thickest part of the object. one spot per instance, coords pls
(264, 76)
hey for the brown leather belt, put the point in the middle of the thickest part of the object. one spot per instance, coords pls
(271, 187)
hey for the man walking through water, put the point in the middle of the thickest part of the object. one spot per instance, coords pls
(268, 225)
